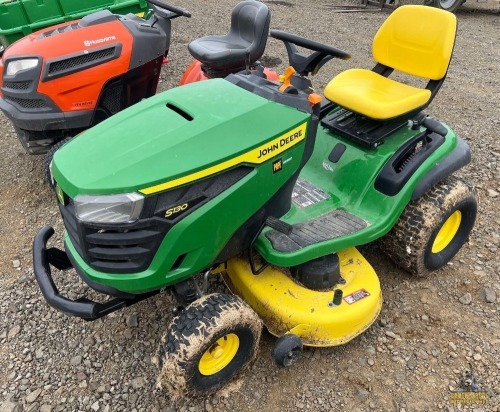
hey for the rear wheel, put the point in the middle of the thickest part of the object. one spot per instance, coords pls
(432, 228)
(208, 345)
(448, 5)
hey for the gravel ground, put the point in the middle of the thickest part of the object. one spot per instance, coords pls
(430, 330)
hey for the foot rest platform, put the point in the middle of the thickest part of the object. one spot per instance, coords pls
(334, 224)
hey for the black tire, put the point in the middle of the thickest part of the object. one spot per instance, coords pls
(413, 242)
(48, 159)
(287, 350)
(187, 365)
(448, 5)
(34, 142)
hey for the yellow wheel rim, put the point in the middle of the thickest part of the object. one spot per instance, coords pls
(219, 355)
(447, 232)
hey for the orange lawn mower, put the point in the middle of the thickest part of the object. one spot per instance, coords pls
(62, 80)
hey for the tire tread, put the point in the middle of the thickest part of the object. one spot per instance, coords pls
(407, 242)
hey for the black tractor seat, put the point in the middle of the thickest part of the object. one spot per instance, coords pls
(247, 36)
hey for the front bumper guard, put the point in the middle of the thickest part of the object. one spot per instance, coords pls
(84, 308)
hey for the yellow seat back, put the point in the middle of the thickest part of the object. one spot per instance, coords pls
(417, 40)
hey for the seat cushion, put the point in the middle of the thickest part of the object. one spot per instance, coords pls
(220, 51)
(375, 96)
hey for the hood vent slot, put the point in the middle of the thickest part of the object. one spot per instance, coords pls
(59, 30)
(81, 61)
(180, 112)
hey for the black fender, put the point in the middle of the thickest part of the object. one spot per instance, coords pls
(457, 159)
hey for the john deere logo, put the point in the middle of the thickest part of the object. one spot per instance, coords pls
(60, 195)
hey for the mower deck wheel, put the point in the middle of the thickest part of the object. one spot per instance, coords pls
(212, 341)
(432, 228)
(287, 350)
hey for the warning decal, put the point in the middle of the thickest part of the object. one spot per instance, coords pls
(306, 194)
(355, 296)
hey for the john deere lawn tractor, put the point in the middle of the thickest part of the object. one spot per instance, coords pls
(273, 187)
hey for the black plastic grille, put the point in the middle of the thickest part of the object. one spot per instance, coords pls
(28, 103)
(204, 189)
(84, 59)
(126, 250)
(112, 100)
(25, 85)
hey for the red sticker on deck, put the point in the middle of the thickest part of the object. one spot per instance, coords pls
(355, 296)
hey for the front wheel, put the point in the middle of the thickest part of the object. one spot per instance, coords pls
(47, 163)
(208, 345)
(432, 228)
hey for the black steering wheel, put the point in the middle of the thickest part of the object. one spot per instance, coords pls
(305, 64)
(173, 9)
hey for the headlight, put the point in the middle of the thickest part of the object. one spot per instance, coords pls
(124, 208)
(17, 65)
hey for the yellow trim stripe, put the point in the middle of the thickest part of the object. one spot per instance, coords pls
(255, 156)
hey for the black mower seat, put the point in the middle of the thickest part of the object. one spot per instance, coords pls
(248, 34)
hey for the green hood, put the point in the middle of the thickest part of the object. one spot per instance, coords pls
(152, 142)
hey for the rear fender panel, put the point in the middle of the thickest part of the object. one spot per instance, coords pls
(457, 159)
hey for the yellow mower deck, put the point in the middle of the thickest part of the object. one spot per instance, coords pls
(287, 307)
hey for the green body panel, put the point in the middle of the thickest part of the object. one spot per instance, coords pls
(350, 183)
(148, 143)
(202, 234)
(124, 154)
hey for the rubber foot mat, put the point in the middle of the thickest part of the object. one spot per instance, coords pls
(332, 225)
